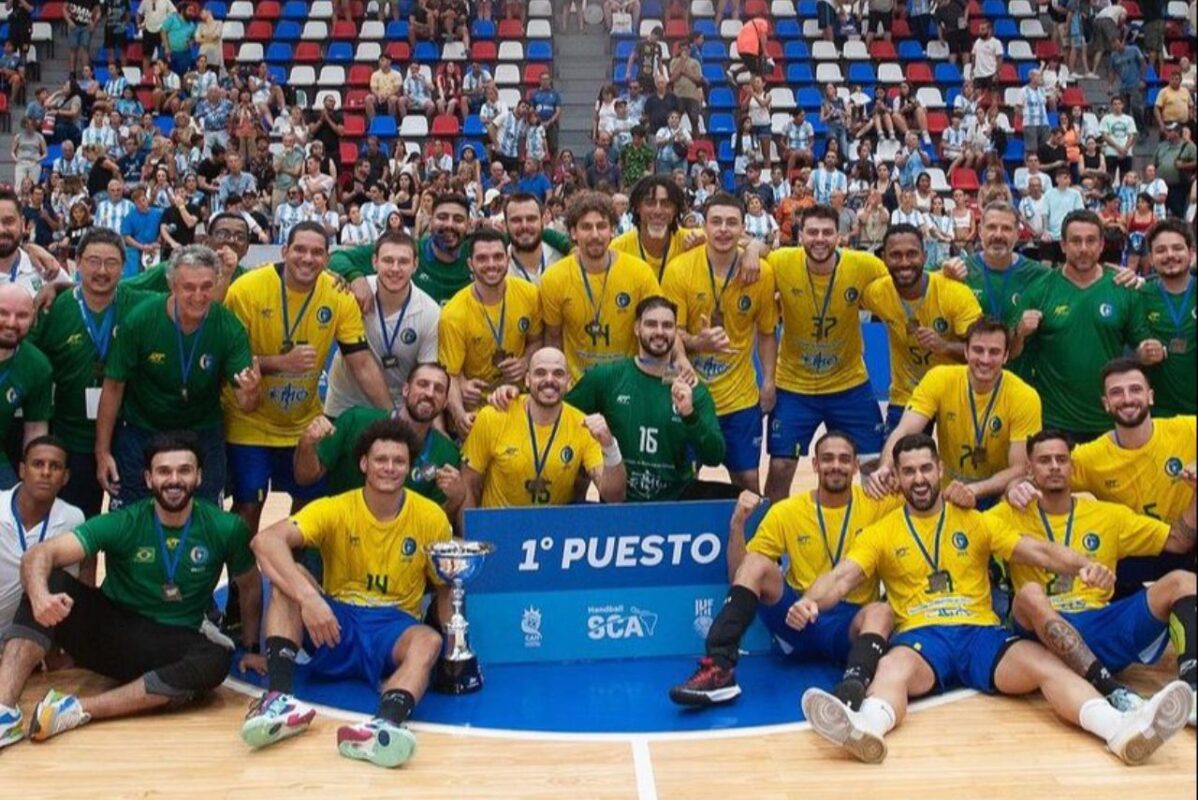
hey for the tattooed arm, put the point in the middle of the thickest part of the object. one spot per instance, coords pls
(1183, 531)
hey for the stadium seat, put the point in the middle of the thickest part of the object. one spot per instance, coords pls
(1008, 74)
(414, 126)
(250, 52)
(267, 9)
(259, 31)
(510, 29)
(338, 52)
(1031, 29)
(279, 53)
(855, 50)
(929, 97)
(919, 72)
(445, 125)
(787, 29)
(722, 99)
(937, 50)
(824, 51)
(1020, 50)
(332, 75)
(890, 73)
(507, 75)
(302, 76)
(782, 99)
(1005, 29)
(540, 8)
(948, 74)
(539, 29)
(729, 28)
(796, 51)
(533, 73)
(384, 127)
(965, 179)
(714, 51)
(508, 51)
(721, 125)
(937, 122)
(232, 30)
(939, 180)
(287, 31)
(321, 9)
(828, 73)
(372, 30)
(241, 10)
(482, 29)
(810, 98)
(539, 50)
(453, 51)
(479, 51)
(359, 75)
(1020, 9)
(315, 31)
(862, 73)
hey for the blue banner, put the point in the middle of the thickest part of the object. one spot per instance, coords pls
(588, 582)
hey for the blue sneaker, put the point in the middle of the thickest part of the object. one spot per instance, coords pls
(11, 729)
(57, 713)
(275, 716)
(377, 741)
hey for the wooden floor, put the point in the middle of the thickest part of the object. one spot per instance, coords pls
(957, 749)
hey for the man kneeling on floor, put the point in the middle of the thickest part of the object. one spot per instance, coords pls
(145, 626)
(363, 623)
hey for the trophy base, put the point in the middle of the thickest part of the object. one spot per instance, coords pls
(457, 677)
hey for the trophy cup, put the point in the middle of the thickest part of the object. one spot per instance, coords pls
(457, 562)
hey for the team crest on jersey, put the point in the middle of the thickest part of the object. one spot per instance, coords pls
(324, 315)
(198, 555)
(408, 336)
(1091, 542)
(206, 362)
(1173, 466)
(523, 324)
(940, 325)
(851, 294)
(1106, 310)
(744, 302)
(567, 454)
(157, 359)
(13, 396)
(409, 546)
(623, 299)
(995, 425)
(144, 555)
(960, 541)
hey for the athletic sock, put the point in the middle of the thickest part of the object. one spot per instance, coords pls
(396, 705)
(1101, 679)
(1182, 625)
(862, 663)
(1100, 718)
(735, 617)
(280, 663)
(877, 716)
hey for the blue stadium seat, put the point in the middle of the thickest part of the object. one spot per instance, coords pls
(861, 72)
(910, 50)
(721, 125)
(1151, 77)
(994, 8)
(818, 126)
(623, 50)
(807, 9)
(426, 51)
(396, 31)
(800, 75)
(1006, 29)
(278, 73)
(288, 31)
(728, 178)
(715, 51)
(1025, 70)
(947, 74)
(1014, 151)
(788, 28)
(706, 27)
(651, 9)
(219, 9)
(796, 51)
(295, 9)
(279, 53)
(538, 50)
(383, 126)
(1054, 118)
(474, 127)
(482, 29)
(339, 53)
(165, 124)
(714, 74)
(722, 100)
(809, 98)
(52, 152)
(619, 74)
(724, 153)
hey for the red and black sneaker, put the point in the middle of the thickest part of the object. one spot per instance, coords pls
(710, 685)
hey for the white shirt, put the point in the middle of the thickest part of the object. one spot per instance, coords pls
(986, 55)
(362, 233)
(415, 342)
(26, 275)
(63, 518)
(549, 257)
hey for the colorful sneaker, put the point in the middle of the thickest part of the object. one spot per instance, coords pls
(711, 684)
(377, 741)
(1125, 700)
(57, 713)
(1143, 731)
(11, 730)
(273, 717)
(840, 725)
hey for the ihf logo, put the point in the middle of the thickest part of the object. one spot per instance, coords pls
(530, 626)
(704, 615)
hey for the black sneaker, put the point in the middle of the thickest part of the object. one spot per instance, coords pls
(710, 685)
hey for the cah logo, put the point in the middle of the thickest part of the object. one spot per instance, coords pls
(851, 294)
(1091, 541)
(567, 454)
(623, 399)
(622, 300)
(901, 552)
(157, 359)
(324, 315)
(613, 622)
(1106, 310)
(523, 324)
(409, 546)
(267, 313)
(744, 302)
(144, 555)
(995, 425)
(198, 555)
(74, 339)
(940, 325)
(804, 539)
(13, 396)
(206, 362)
(530, 626)
(408, 336)
(288, 396)
(961, 541)
(704, 616)
(1173, 466)
(1061, 310)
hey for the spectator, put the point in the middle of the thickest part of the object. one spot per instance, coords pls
(673, 143)
(952, 16)
(1118, 131)
(385, 85)
(648, 57)
(1093, 162)
(909, 114)
(40, 220)
(987, 57)
(210, 37)
(910, 162)
(1108, 29)
(799, 136)
(510, 131)
(66, 108)
(825, 17)
(422, 21)
(758, 109)
(834, 114)
(314, 182)
(1058, 203)
(939, 234)
(165, 94)
(752, 45)
(637, 158)
(965, 223)
(827, 178)
(1153, 29)
(141, 229)
(82, 18)
(1129, 69)
(214, 113)
(872, 222)
(660, 105)
(234, 182)
(1156, 189)
(534, 181)
(178, 33)
(622, 16)
(547, 104)
(417, 93)
(474, 84)
(1175, 160)
(288, 167)
(1033, 211)
(758, 224)
(1052, 153)
(994, 188)
(1137, 224)
(754, 185)
(1035, 112)
(919, 17)
(880, 15)
(686, 74)
(179, 222)
(907, 212)
(28, 150)
(12, 72)
(1075, 24)
(952, 146)
(455, 21)
(151, 15)
(602, 170)
(1174, 103)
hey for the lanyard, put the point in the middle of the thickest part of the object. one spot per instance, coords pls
(665, 256)
(912, 320)
(718, 296)
(187, 361)
(523, 272)
(1068, 524)
(822, 311)
(995, 304)
(933, 560)
(289, 329)
(1176, 313)
(586, 284)
(16, 265)
(16, 518)
(101, 338)
(171, 565)
(389, 341)
(496, 330)
(979, 428)
(823, 531)
(541, 458)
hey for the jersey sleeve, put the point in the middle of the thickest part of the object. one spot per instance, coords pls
(107, 532)
(352, 263)
(1138, 535)
(926, 396)
(315, 520)
(122, 354)
(451, 340)
(966, 309)
(770, 538)
(873, 268)
(351, 331)
(1003, 537)
(1027, 415)
(430, 339)
(673, 288)
(536, 325)
(39, 400)
(237, 347)
(476, 450)
(332, 446)
(238, 556)
(587, 395)
(866, 550)
(1138, 328)
(767, 320)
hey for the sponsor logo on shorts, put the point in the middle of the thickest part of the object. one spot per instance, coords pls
(614, 622)
(530, 626)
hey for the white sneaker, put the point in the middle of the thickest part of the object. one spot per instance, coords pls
(1193, 722)
(1143, 731)
(58, 712)
(11, 725)
(840, 725)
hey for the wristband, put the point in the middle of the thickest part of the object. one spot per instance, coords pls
(611, 454)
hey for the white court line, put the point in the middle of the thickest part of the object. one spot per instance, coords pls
(646, 786)
(242, 687)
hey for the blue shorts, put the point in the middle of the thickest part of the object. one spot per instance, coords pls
(826, 640)
(796, 417)
(960, 655)
(79, 36)
(742, 438)
(368, 637)
(1123, 633)
(257, 469)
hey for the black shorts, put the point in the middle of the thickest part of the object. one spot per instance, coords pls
(149, 43)
(958, 41)
(115, 39)
(885, 19)
(20, 31)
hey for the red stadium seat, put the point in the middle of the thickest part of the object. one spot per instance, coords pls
(511, 29)
(756, 8)
(1046, 49)
(900, 29)
(965, 179)
(1182, 48)
(355, 126)
(52, 12)
(937, 122)
(918, 72)
(133, 53)
(308, 53)
(677, 29)
(1073, 96)
(267, 9)
(445, 125)
(229, 49)
(882, 50)
(345, 31)
(399, 52)
(359, 75)
(533, 73)
(259, 31)
(483, 51)
(1007, 74)
(349, 154)
(700, 148)
(356, 98)
(1133, 9)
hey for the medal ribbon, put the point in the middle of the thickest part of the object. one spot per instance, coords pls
(586, 284)
(171, 565)
(496, 331)
(187, 361)
(388, 340)
(979, 428)
(665, 256)
(822, 311)
(1068, 524)
(101, 338)
(539, 457)
(934, 560)
(1176, 313)
(16, 518)
(823, 531)
(911, 315)
(718, 296)
(289, 329)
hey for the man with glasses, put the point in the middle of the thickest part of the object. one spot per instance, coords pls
(228, 236)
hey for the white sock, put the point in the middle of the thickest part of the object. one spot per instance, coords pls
(877, 716)
(1100, 718)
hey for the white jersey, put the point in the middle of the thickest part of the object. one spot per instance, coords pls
(362, 233)
(414, 342)
(23, 273)
(63, 518)
(549, 257)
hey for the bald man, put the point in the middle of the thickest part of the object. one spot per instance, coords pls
(25, 376)
(531, 453)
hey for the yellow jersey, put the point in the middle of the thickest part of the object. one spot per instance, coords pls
(793, 528)
(947, 307)
(1102, 532)
(500, 447)
(630, 242)
(595, 312)
(320, 318)
(1148, 479)
(822, 351)
(372, 563)
(904, 561)
(468, 330)
(747, 311)
(975, 432)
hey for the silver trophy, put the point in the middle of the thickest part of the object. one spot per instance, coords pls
(458, 562)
